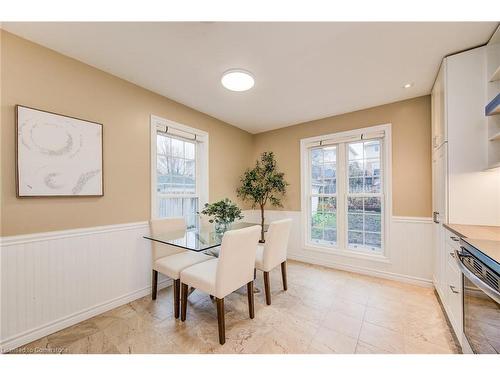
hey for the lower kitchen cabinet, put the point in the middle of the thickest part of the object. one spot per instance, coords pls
(454, 300)
(449, 280)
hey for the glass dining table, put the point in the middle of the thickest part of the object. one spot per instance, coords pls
(201, 238)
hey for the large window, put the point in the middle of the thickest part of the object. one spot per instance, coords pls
(345, 191)
(179, 178)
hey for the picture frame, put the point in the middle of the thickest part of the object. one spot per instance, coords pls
(57, 155)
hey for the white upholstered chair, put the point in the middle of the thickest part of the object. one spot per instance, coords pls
(171, 260)
(273, 253)
(220, 277)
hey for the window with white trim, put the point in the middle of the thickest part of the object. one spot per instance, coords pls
(344, 189)
(364, 195)
(323, 195)
(179, 178)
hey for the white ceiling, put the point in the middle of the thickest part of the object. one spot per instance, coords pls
(303, 71)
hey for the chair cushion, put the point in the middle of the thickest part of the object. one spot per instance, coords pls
(201, 276)
(172, 265)
(259, 258)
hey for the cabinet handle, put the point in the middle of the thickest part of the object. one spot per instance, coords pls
(454, 238)
(453, 289)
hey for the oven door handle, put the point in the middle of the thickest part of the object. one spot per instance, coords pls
(492, 293)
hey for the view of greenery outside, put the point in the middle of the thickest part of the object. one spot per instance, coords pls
(364, 209)
(323, 199)
(364, 195)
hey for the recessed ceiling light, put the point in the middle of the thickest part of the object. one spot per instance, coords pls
(237, 80)
(408, 85)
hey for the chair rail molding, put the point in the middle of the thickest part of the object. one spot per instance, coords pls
(52, 280)
(412, 219)
(79, 232)
(410, 257)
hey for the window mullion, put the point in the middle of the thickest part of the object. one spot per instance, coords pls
(308, 172)
(364, 235)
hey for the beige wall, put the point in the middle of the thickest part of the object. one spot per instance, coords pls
(38, 77)
(411, 151)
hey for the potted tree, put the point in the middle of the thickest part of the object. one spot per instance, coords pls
(262, 185)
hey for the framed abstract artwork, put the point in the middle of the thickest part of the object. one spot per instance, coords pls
(56, 155)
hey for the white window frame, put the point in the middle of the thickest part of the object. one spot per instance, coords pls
(305, 167)
(201, 152)
(309, 194)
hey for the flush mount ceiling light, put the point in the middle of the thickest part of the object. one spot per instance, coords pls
(408, 85)
(237, 80)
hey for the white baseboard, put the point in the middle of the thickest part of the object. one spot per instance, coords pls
(409, 257)
(57, 325)
(361, 270)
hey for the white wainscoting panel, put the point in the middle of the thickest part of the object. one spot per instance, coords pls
(52, 280)
(410, 252)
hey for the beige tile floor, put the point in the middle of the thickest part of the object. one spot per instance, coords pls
(323, 311)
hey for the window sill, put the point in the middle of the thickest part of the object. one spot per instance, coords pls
(348, 253)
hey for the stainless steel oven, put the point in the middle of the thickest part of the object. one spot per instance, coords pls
(481, 299)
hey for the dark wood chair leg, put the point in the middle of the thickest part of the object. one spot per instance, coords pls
(154, 288)
(267, 287)
(283, 275)
(184, 298)
(177, 298)
(220, 320)
(251, 308)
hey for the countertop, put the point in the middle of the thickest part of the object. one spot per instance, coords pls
(476, 232)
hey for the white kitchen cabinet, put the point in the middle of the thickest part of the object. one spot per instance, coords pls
(439, 201)
(493, 88)
(458, 120)
(448, 280)
(453, 284)
(462, 192)
(438, 110)
(473, 194)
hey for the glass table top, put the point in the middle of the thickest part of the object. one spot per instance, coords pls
(197, 239)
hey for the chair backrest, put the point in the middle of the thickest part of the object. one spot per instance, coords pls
(236, 259)
(160, 226)
(276, 243)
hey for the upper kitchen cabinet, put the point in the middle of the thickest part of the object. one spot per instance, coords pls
(438, 110)
(459, 96)
(492, 92)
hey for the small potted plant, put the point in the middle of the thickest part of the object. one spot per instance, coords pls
(222, 213)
